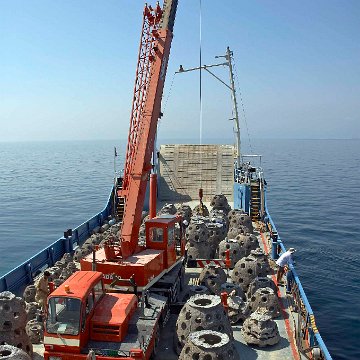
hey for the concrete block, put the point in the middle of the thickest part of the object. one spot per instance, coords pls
(236, 252)
(196, 250)
(233, 232)
(168, 209)
(86, 248)
(235, 212)
(185, 211)
(197, 235)
(35, 331)
(12, 312)
(259, 329)
(219, 214)
(265, 298)
(29, 293)
(237, 309)
(71, 266)
(220, 202)
(246, 270)
(247, 242)
(234, 289)
(17, 338)
(65, 274)
(196, 290)
(197, 231)
(259, 283)
(78, 254)
(55, 272)
(201, 312)
(32, 309)
(209, 345)
(212, 276)
(67, 257)
(8, 352)
(203, 211)
(241, 219)
(217, 233)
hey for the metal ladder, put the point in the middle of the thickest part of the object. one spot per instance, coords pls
(255, 200)
(119, 201)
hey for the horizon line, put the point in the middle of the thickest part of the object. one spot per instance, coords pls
(173, 138)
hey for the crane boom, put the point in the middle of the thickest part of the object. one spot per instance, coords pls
(151, 69)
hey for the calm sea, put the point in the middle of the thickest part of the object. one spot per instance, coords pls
(313, 197)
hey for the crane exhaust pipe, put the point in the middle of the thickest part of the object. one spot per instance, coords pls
(153, 195)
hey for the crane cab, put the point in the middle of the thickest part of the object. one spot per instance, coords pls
(165, 233)
(81, 313)
(164, 247)
(70, 308)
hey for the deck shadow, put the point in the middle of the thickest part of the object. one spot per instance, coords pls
(170, 195)
(253, 352)
(246, 352)
(282, 344)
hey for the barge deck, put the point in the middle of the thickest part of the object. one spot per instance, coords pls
(286, 349)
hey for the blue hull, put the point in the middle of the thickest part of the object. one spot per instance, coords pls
(17, 279)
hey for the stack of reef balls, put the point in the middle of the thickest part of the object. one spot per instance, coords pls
(12, 327)
(252, 298)
(203, 327)
(197, 234)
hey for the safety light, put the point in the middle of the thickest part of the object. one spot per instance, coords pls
(67, 288)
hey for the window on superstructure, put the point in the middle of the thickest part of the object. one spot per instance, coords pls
(171, 235)
(89, 303)
(98, 291)
(156, 234)
(63, 316)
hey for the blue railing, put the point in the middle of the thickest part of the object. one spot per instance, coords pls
(21, 276)
(313, 336)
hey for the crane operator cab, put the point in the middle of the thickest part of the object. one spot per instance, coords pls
(81, 314)
(166, 233)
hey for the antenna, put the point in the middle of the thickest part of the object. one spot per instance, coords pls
(231, 87)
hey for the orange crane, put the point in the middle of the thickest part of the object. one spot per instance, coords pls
(163, 251)
(116, 312)
(157, 34)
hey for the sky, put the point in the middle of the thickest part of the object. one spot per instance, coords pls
(67, 69)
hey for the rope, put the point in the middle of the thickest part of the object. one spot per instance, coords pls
(169, 93)
(200, 93)
(242, 106)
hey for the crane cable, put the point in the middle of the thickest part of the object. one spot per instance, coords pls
(200, 94)
(243, 107)
(169, 93)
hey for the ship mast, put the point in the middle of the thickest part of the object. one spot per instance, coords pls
(231, 87)
(236, 113)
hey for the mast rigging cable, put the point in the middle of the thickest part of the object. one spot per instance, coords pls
(242, 106)
(200, 93)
